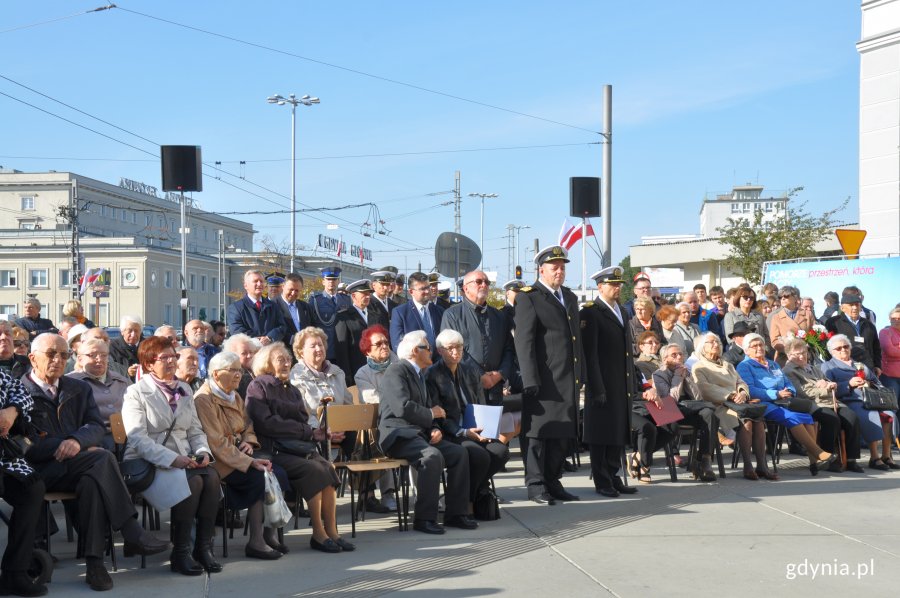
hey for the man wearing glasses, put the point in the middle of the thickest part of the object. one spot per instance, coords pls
(417, 314)
(409, 425)
(488, 343)
(68, 432)
(642, 288)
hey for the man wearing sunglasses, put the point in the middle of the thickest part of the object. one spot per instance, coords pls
(14, 365)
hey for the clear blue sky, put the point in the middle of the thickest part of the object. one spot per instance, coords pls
(705, 95)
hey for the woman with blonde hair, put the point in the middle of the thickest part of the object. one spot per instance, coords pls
(74, 309)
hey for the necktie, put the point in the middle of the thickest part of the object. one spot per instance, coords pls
(559, 297)
(258, 305)
(426, 320)
(51, 392)
(294, 315)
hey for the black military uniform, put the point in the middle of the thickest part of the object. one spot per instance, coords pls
(509, 309)
(609, 385)
(348, 330)
(440, 297)
(548, 346)
(381, 310)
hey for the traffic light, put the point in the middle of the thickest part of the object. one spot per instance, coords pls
(518, 272)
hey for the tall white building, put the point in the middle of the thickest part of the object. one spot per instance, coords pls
(879, 126)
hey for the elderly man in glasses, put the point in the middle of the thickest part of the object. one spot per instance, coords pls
(68, 432)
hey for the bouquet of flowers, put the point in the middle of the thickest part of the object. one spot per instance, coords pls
(815, 339)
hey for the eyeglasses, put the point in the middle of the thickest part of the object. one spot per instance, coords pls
(480, 281)
(380, 344)
(281, 359)
(167, 358)
(747, 297)
(27, 344)
(650, 343)
(94, 355)
(423, 347)
(231, 370)
(420, 289)
(454, 348)
(842, 348)
(63, 355)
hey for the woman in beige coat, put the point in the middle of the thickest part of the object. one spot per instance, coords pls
(719, 382)
(233, 442)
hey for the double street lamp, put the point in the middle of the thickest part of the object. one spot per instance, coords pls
(293, 101)
(482, 196)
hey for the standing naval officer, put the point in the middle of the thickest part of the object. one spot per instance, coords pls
(609, 368)
(381, 304)
(325, 305)
(548, 345)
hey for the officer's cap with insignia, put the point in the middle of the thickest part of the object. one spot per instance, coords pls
(385, 276)
(360, 286)
(392, 269)
(401, 279)
(433, 278)
(554, 253)
(331, 272)
(513, 285)
(459, 282)
(342, 288)
(275, 279)
(611, 275)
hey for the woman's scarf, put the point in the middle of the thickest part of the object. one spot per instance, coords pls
(217, 391)
(379, 366)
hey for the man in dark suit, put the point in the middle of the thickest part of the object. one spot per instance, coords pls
(548, 346)
(609, 382)
(511, 289)
(295, 312)
(397, 292)
(865, 346)
(254, 315)
(325, 305)
(67, 435)
(409, 423)
(351, 323)
(381, 304)
(417, 314)
(32, 321)
(438, 297)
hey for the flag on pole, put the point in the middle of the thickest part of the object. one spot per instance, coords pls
(571, 233)
(88, 279)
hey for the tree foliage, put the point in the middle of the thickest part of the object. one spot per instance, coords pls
(791, 233)
(627, 275)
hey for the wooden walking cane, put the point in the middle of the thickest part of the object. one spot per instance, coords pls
(842, 437)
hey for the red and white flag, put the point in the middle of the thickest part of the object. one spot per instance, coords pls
(571, 233)
(88, 279)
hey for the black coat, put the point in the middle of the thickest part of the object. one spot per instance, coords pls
(348, 329)
(442, 388)
(405, 408)
(73, 414)
(121, 353)
(868, 351)
(609, 383)
(548, 346)
(304, 315)
(379, 314)
(277, 410)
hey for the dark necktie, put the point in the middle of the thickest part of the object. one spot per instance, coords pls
(258, 305)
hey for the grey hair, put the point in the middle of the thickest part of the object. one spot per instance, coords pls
(407, 347)
(128, 321)
(664, 352)
(834, 340)
(94, 342)
(794, 343)
(262, 361)
(684, 304)
(232, 342)
(250, 273)
(33, 301)
(749, 338)
(222, 361)
(448, 337)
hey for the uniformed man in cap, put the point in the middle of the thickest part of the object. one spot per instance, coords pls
(326, 303)
(397, 292)
(441, 301)
(609, 381)
(381, 304)
(548, 346)
(274, 285)
(349, 326)
(511, 289)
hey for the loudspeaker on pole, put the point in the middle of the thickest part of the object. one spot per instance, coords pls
(584, 196)
(182, 168)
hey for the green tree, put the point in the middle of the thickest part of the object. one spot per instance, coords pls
(627, 275)
(792, 233)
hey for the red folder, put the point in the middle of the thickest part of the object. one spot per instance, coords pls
(667, 414)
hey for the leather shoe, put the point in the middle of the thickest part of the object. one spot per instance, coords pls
(460, 521)
(608, 492)
(543, 499)
(855, 467)
(18, 583)
(345, 545)
(623, 489)
(373, 506)
(146, 545)
(327, 545)
(203, 554)
(266, 555)
(98, 577)
(428, 526)
(563, 495)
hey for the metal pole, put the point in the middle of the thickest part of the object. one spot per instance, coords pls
(606, 187)
(584, 259)
(293, 184)
(76, 260)
(221, 288)
(456, 215)
(183, 265)
(481, 245)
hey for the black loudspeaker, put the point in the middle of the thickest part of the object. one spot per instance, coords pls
(181, 168)
(584, 196)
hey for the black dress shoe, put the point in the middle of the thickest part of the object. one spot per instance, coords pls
(855, 467)
(569, 467)
(327, 545)
(460, 521)
(98, 577)
(181, 561)
(279, 547)
(543, 499)
(878, 464)
(623, 489)
(18, 583)
(428, 526)
(563, 495)
(608, 492)
(146, 545)
(266, 555)
(203, 554)
(345, 545)
(373, 506)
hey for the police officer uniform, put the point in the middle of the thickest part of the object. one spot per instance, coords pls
(325, 307)
(382, 309)
(548, 346)
(509, 309)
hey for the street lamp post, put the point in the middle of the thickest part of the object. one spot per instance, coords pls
(293, 101)
(482, 196)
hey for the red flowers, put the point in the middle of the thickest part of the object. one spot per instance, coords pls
(860, 373)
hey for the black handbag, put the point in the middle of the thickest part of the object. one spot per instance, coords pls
(878, 398)
(295, 446)
(747, 410)
(139, 473)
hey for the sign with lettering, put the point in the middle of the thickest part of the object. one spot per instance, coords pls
(152, 191)
(357, 251)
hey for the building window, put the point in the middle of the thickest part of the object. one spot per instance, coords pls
(112, 212)
(147, 220)
(167, 281)
(65, 278)
(38, 278)
(745, 207)
(134, 217)
(9, 279)
(192, 313)
(124, 215)
(8, 310)
(167, 314)
(203, 283)
(28, 225)
(735, 208)
(215, 314)
(28, 204)
(214, 285)
(192, 281)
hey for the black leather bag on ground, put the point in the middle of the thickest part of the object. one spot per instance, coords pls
(295, 446)
(879, 398)
(747, 410)
(138, 474)
(486, 506)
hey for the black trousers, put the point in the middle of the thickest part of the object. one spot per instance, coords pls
(544, 458)
(832, 423)
(701, 416)
(429, 461)
(485, 459)
(27, 501)
(101, 496)
(649, 437)
(605, 464)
